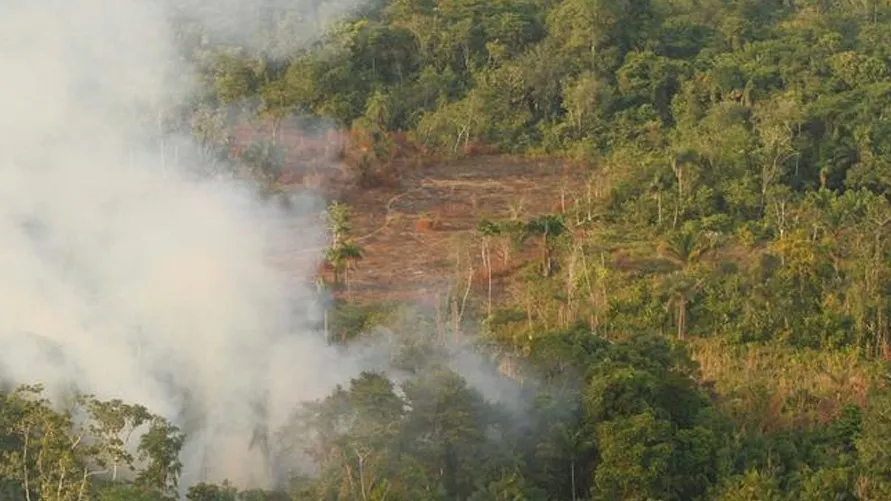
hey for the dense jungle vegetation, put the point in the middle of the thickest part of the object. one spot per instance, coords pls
(710, 322)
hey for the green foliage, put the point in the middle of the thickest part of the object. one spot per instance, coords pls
(211, 492)
(126, 492)
(751, 486)
(741, 153)
(343, 252)
(48, 454)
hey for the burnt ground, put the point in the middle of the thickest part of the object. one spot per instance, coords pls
(420, 236)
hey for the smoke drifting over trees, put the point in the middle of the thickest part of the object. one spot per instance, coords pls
(123, 272)
(696, 307)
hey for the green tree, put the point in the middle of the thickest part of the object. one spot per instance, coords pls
(114, 422)
(548, 229)
(685, 248)
(752, 486)
(159, 449)
(488, 230)
(342, 252)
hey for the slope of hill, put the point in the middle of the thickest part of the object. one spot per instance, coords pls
(667, 220)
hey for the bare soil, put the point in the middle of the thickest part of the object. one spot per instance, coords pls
(420, 237)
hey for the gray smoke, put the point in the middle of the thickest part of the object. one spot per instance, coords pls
(123, 272)
(277, 28)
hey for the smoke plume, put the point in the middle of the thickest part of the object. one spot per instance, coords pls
(124, 272)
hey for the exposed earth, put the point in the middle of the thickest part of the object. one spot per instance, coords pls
(417, 228)
(415, 234)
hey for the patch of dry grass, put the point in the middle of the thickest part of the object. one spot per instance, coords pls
(771, 387)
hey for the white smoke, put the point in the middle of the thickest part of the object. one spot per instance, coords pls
(277, 28)
(119, 270)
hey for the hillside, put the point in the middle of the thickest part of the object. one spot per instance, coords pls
(576, 250)
(413, 233)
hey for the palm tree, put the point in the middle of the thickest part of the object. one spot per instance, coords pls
(548, 228)
(685, 248)
(343, 258)
(682, 289)
(658, 185)
(339, 222)
(577, 442)
(343, 253)
(487, 230)
(351, 254)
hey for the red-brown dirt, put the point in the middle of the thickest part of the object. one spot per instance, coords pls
(418, 230)
(414, 236)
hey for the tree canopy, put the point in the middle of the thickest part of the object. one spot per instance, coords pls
(711, 324)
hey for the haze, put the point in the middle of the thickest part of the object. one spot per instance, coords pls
(124, 271)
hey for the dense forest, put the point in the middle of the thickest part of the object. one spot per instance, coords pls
(710, 321)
